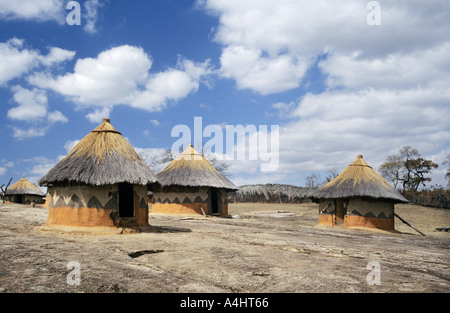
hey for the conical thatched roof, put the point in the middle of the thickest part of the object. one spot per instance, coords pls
(24, 187)
(103, 157)
(358, 180)
(190, 168)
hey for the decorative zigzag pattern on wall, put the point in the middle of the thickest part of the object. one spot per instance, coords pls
(371, 214)
(186, 197)
(368, 214)
(176, 200)
(75, 202)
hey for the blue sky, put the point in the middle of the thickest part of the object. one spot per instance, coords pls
(336, 84)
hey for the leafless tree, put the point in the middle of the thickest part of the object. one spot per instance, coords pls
(391, 169)
(313, 180)
(331, 174)
(447, 176)
(5, 189)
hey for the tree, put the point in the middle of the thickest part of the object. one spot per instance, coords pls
(6, 189)
(416, 170)
(408, 168)
(447, 176)
(156, 160)
(391, 168)
(406, 155)
(313, 180)
(331, 174)
(220, 165)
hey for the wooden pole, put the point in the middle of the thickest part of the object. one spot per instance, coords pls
(408, 224)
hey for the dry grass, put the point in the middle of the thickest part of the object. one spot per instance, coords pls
(425, 219)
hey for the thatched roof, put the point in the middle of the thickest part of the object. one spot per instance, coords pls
(358, 180)
(190, 168)
(272, 192)
(103, 157)
(24, 187)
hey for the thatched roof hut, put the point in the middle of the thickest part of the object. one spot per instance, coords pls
(24, 191)
(359, 180)
(192, 169)
(359, 197)
(191, 184)
(103, 157)
(101, 182)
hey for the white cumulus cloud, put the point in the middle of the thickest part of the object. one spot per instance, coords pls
(33, 108)
(90, 15)
(17, 60)
(38, 10)
(385, 86)
(121, 76)
(32, 104)
(268, 45)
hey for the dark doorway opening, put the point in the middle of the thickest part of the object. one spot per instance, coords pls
(341, 211)
(214, 201)
(126, 200)
(19, 199)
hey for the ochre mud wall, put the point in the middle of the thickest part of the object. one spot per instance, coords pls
(369, 222)
(359, 213)
(186, 201)
(370, 214)
(94, 206)
(326, 213)
(179, 208)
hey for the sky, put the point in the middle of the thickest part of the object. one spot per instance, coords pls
(328, 80)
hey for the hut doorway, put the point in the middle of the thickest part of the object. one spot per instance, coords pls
(126, 200)
(19, 199)
(214, 200)
(341, 210)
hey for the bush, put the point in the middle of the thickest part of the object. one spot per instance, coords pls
(437, 197)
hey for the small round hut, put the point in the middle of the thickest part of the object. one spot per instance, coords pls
(191, 185)
(358, 197)
(24, 192)
(101, 182)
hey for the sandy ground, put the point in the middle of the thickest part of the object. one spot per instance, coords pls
(264, 248)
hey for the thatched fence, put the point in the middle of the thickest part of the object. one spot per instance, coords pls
(271, 193)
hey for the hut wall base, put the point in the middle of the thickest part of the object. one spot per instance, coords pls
(224, 210)
(91, 217)
(327, 220)
(68, 216)
(369, 222)
(179, 208)
(184, 208)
